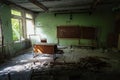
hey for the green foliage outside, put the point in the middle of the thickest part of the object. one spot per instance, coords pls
(16, 25)
(14, 12)
(16, 29)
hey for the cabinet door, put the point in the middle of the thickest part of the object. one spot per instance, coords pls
(117, 26)
(112, 40)
(119, 42)
(117, 23)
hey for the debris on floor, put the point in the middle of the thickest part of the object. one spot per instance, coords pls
(94, 63)
(74, 64)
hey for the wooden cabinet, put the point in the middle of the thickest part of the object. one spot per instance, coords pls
(112, 40)
(119, 42)
(117, 25)
(45, 48)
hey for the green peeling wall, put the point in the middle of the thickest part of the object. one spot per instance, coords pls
(46, 25)
(10, 48)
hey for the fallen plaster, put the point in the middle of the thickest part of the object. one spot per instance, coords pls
(21, 67)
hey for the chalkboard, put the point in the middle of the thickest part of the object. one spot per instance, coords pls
(82, 32)
(88, 32)
(68, 32)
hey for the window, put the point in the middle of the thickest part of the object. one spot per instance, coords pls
(15, 12)
(17, 29)
(29, 25)
(0, 33)
(28, 16)
(22, 24)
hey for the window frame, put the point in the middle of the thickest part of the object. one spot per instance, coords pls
(20, 28)
(23, 23)
(19, 18)
(32, 20)
(17, 11)
(1, 33)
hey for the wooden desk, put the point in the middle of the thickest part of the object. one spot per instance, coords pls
(45, 48)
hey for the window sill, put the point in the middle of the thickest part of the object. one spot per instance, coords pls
(19, 41)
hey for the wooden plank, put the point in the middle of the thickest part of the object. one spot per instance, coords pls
(37, 3)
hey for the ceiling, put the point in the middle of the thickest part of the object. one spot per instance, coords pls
(63, 6)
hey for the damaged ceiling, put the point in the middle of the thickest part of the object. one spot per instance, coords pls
(64, 5)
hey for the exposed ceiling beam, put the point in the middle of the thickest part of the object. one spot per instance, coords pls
(109, 2)
(48, 0)
(11, 3)
(80, 12)
(4, 1)
(94, 5)
(37, 3)
(72, 11)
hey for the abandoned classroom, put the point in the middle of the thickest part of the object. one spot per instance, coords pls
(59, 39)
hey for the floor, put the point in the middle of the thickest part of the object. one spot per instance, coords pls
(73, 64)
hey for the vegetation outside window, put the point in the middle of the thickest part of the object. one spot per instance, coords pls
(17, 29)
(22, 24)
(15, 12)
